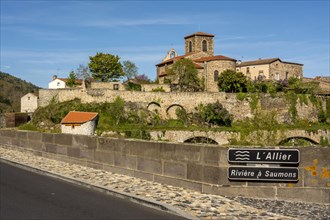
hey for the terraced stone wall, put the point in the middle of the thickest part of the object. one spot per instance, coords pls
(198, 167)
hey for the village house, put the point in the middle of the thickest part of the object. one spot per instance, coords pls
(60, 83)
(199, 47)
(270, 69)
(29, 102)
(76, 122)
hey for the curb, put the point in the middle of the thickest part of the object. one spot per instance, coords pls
(133, 198)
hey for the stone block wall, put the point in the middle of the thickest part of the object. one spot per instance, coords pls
(239, 109)
(198, 167)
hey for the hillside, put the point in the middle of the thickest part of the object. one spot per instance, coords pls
(11, 91)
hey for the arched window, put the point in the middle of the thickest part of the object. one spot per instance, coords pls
(172, 54)
(204, 45)
(190, 46)
(216, 76)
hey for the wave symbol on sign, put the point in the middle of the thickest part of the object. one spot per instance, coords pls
(242, 155)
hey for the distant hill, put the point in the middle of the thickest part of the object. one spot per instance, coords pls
(11, 91)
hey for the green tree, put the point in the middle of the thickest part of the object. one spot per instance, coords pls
(105, 67)
(232, 81)
(117, 110)
(185, 74)
(129, 69)
(72, 80)
(213, 114)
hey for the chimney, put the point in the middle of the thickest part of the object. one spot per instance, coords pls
(54, 77)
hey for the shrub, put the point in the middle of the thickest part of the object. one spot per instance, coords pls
(213, 114)
(232, 81)
(158, 89)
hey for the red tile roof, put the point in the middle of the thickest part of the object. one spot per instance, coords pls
(258, 62)
(264, 61)
(211, 58)
(175, 58)
(74, 117)
(199, 34)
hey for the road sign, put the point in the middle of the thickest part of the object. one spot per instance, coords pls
(277, 174)
(278, 156)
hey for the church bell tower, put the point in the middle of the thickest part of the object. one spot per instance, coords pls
(199, 42)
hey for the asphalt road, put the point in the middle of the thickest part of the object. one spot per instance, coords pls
(28, 195)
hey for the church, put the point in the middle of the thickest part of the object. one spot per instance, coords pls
(199, 47)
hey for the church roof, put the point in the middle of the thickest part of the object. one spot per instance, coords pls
(199, 34)
(211, 58)
(175, 58)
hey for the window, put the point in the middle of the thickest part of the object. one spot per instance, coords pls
(261, 72)
(190, 47)
(172, 54)
(277, 76)
(247, 70)
(204, 45)
(29, 98)
(58, 83)
(72, 126)
(115, 87)
(216, 76)
(286, 75)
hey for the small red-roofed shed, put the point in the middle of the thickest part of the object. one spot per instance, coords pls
(79, 123)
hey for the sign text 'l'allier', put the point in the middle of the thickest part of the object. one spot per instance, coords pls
(279, 156)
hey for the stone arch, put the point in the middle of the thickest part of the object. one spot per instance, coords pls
(153, 106)
(201, 140)
(169, 111)
(298, 139)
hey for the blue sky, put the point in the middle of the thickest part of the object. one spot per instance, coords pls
(43, 38)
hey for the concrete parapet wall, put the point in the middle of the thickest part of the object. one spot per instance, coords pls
(197, 167)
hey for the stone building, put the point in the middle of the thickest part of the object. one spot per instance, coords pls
(199, 47)
(29, 102)
(270, 69)
(79, 123)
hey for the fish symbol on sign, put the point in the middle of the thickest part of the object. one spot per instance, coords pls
(242, 155)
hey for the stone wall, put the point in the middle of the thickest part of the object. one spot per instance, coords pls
(167, 100)
(224, 137)
(285, 70)
(2, 120)
(46, 95)
(220, 66)
(87, 128)
(150, 87)
(108, 85)
(198, 167)
(197, 44)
